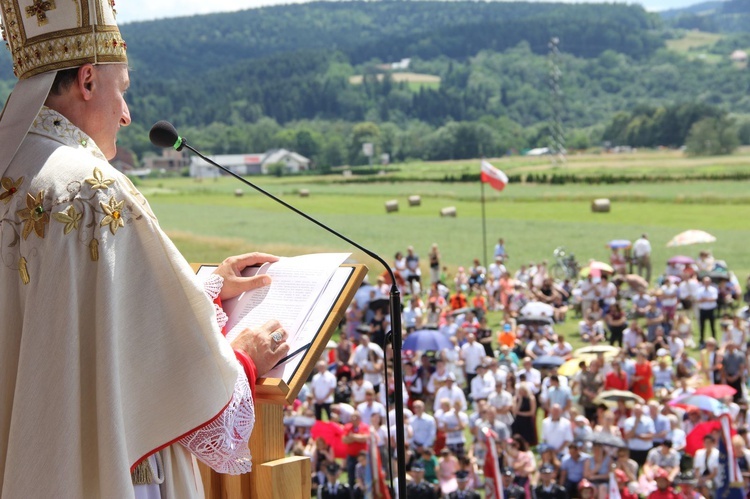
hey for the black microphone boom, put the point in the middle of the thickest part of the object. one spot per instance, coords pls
(163, 134)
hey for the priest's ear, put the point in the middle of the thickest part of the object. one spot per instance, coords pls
(85, 80)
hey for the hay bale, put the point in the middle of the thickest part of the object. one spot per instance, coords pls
(415, 201)
(600, 205)
(391, 206)
(448, 211)
(239, 193)
(304, 193)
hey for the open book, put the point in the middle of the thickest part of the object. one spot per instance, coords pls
(304, 292)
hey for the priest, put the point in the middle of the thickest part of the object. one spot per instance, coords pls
(115, 374)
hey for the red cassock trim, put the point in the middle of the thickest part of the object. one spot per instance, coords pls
(252, 375)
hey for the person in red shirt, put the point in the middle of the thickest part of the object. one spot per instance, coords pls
(355, 437)
(616, 379)
(459, 300)
(622, 485)
(664, 488)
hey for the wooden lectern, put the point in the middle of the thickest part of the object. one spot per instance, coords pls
(275, 476)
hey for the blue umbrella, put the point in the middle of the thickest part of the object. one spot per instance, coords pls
(546, 361)
(619, 243)
(426, 340)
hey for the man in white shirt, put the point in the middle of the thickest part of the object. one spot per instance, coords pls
(423, 427)
(687, 291)
(533, 376)
(323, 386)
(642, 254)
(639, 433)
(472, 353)
(412, 315)
(706, 461)
(538, 347)
(483, 384)
(452, 422)
(451, 392)
(707, 298)
(359, 388)
(607, 293)
(676, 345)
(556, 430)
(561, 348)
(502, 401)
(497, 269)
(361, 352)
(589, 294)
(371, 406)
(437, 379)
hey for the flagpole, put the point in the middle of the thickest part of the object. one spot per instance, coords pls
(484, 226)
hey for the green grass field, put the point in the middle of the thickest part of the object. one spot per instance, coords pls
(207, 220)
(695, 45)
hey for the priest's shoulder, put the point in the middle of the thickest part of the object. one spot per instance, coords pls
(55, 167)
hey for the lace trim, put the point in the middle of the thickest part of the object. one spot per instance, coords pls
(222, 444)
(221, 316)
(212, 287)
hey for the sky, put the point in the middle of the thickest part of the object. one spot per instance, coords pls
(143, 10)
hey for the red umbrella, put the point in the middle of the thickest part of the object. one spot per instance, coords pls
(716, 391)
(331, 433)
(694, 440)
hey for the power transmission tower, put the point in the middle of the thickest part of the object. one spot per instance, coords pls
(557, 134)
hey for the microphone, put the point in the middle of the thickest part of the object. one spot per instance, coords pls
(163, 134)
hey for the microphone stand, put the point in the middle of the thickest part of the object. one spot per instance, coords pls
(395, 308)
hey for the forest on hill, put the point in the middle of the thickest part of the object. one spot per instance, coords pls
(281, 77)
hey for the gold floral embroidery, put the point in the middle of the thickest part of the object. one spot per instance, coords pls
(94, 250)
(114, 214)
(98, 181)
(35, 216)
(10, 187)
(23, 270)
(70, 217)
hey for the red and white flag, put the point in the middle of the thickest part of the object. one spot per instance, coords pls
(492, 478)
(614, 489)
(496, 178)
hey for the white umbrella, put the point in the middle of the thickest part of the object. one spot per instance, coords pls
(691, 237)
(537, 308)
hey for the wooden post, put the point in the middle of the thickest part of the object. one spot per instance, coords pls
(273, 475)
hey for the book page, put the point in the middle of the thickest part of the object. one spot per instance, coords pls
(296, 284)
(317, 317)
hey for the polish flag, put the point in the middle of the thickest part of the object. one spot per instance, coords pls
(614, 489)
(493, 479)
(496, 178)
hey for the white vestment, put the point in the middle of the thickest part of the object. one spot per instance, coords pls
(109, 349)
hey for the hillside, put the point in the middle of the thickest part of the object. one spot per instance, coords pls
(309, 77)
(730, 16)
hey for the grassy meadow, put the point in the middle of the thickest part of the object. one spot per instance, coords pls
(208, 221)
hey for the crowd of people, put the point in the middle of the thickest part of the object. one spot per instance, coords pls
(494, 378)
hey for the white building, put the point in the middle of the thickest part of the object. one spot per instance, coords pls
(293, 162)
(249, 164)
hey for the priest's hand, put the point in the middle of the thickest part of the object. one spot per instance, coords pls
(265, 345)
(231, 270)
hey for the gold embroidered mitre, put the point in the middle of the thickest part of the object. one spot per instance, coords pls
(49, 35)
